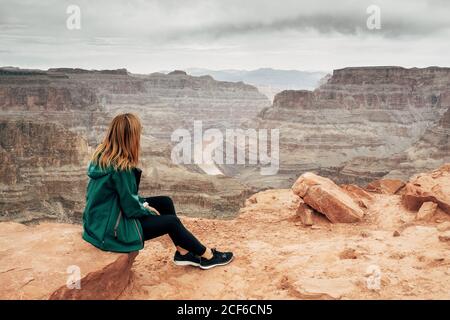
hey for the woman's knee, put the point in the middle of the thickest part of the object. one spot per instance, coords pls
(163, 204)
(166, 200)
(174, 222)
(167, 204)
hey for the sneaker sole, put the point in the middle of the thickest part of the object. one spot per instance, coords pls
(216, 265)
(186, 263)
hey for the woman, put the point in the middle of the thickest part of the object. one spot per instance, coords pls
(117, 219)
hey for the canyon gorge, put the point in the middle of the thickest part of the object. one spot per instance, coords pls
(42, 113)
(359, 208)
(359, 125)
(362, 124)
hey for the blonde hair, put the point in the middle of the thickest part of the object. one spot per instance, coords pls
(120, 147)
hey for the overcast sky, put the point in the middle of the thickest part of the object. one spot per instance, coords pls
(146, 36)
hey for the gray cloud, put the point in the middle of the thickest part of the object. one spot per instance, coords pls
(225, 17)
(351, 22)
(222, 33)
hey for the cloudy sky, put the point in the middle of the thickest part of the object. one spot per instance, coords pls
(146, 36)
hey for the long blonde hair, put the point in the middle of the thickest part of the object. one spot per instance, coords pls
(120, 147)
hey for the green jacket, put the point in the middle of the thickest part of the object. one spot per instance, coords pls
(110, 218)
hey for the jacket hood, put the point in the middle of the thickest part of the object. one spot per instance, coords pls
(95, 172)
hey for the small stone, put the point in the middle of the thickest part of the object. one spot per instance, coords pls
(445, 237)
(396, 233)
(305, 213)
(348, 254)
(364, 234)
(444, 226)
(307, 219)
(426, 211)
(385, 186)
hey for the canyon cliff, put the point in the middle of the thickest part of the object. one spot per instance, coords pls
(363, 123)
(360, 125)
(44, 111)
(42, 171)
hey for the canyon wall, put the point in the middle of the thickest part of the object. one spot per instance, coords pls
(352, 126)
(82, 103)
(431, 150)
(42, 171)
(361, 124)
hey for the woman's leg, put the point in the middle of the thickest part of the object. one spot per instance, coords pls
(169, 223)
(163, 204)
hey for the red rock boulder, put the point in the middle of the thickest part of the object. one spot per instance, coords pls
(325, 196)
(428, 187)
(385, 186)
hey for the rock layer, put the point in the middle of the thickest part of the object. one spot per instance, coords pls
(83, 102)
(353, 125)
(427, 153)
(43, 173)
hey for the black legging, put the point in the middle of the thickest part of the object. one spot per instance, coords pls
(168, 223)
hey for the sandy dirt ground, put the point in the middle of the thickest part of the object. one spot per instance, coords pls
(276, 257)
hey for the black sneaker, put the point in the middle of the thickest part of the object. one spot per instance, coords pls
(189, 259)
(218, 259)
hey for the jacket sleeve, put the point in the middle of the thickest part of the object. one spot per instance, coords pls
(128, 197)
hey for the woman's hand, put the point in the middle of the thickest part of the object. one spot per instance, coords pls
(146, 205)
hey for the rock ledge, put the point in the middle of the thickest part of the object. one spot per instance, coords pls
(37, 262)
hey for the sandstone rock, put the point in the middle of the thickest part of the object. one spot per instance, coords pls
(323, 289)
(402, 227)
(364, 234)
(385, 186)
(429, 187)
(271, 206)
(305, 213)
(359, 195)
(325, 196)
(39, 261)
(444, 226)
(348, 253)
(445, 237)
(426, 211)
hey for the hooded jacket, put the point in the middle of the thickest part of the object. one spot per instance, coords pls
(113, 208)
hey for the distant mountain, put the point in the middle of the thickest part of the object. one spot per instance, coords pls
(269, 81)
